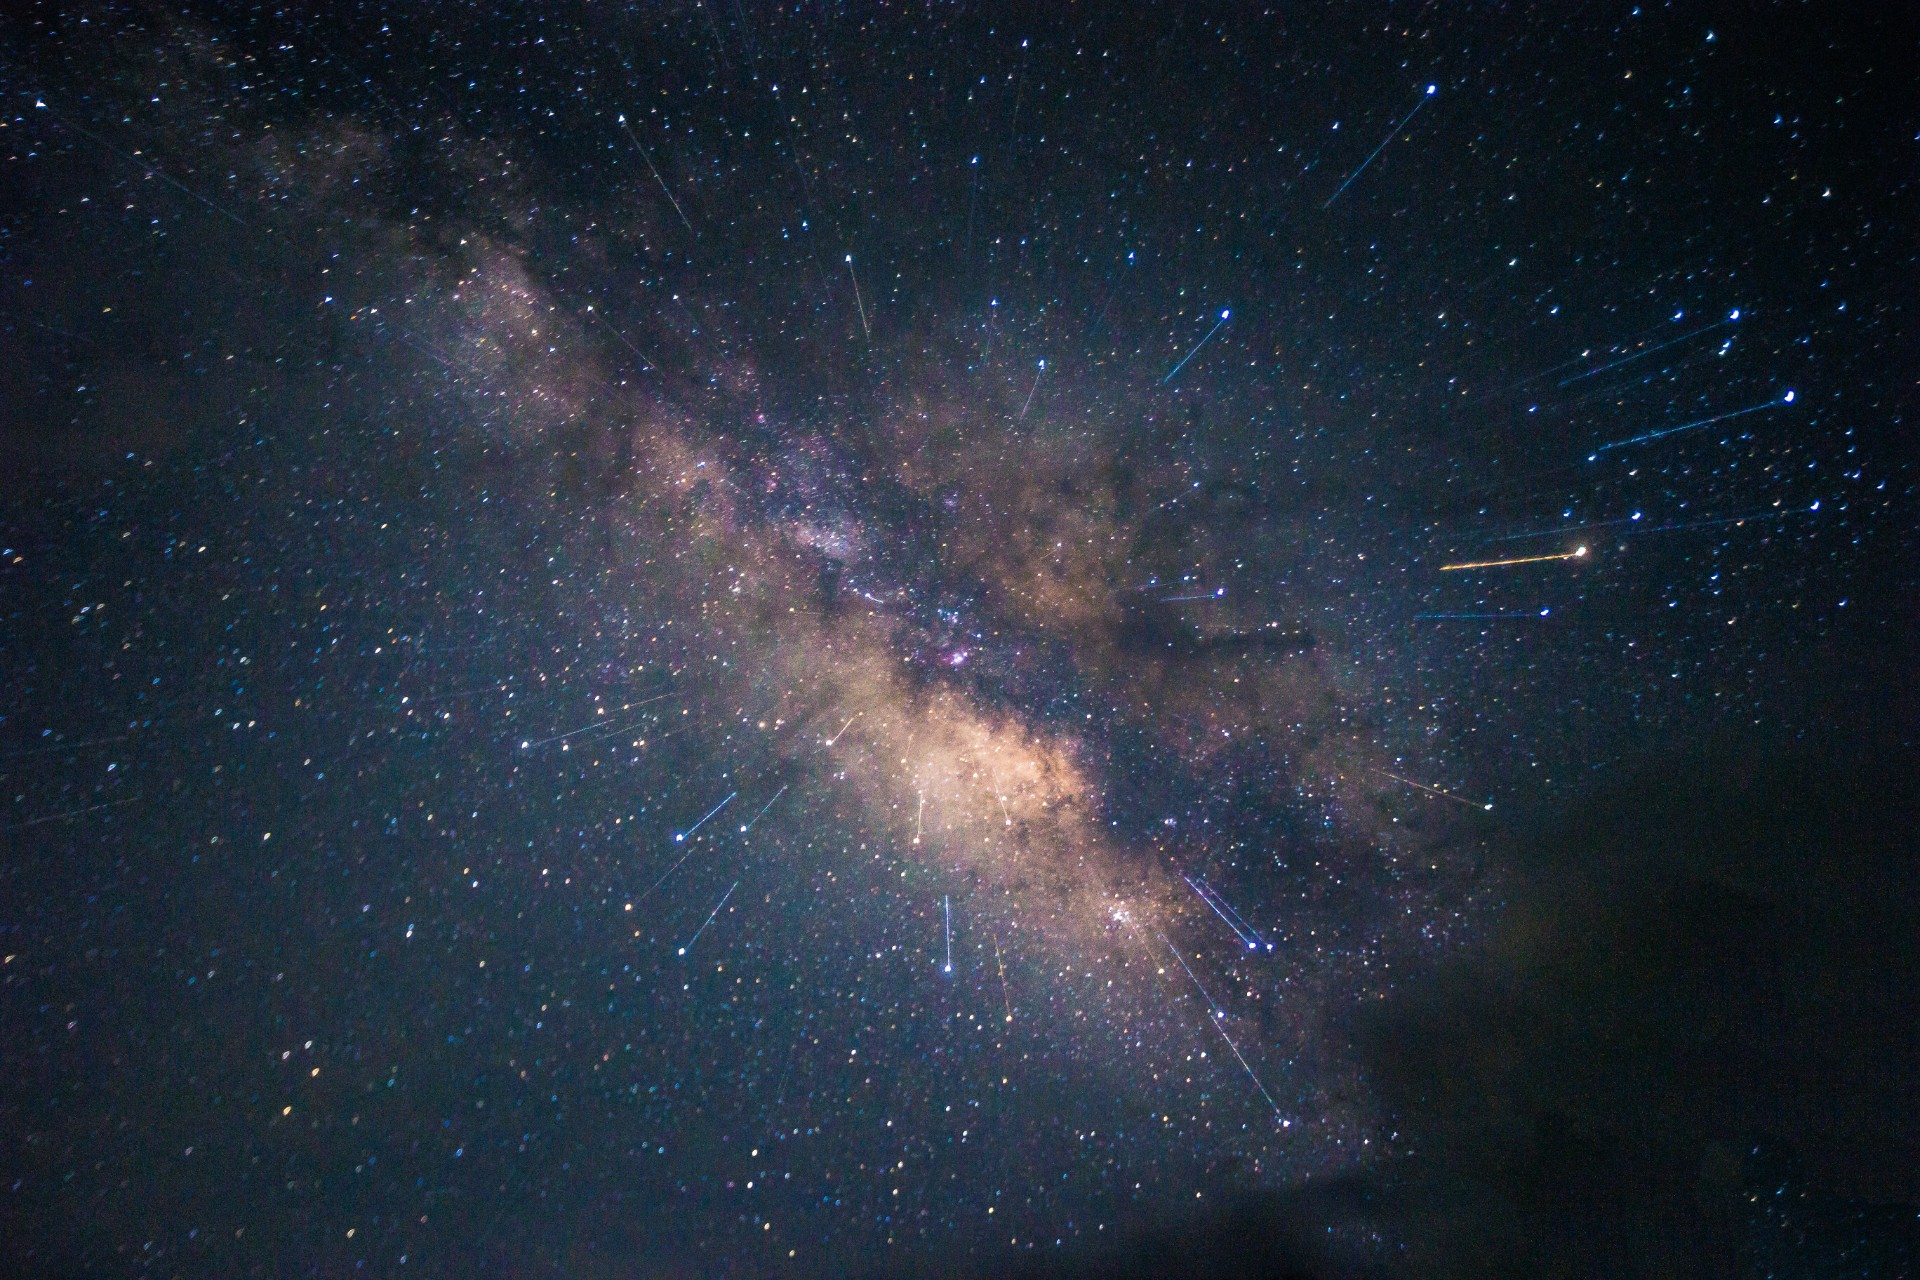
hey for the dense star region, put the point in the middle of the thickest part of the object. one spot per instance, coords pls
(721, 639)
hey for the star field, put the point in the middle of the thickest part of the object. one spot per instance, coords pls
(727, 639)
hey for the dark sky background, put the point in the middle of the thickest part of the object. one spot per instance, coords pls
(708, 639)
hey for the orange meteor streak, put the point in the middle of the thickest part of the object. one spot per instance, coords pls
(1578, 553)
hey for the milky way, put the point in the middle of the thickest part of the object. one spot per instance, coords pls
(729, 640)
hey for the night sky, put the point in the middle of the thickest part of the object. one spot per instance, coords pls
(718, 639)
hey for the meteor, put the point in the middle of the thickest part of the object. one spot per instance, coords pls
(1435, 791)
(710, 915)
(1218, 1019)
(624, 339)
(71, 813)
(1030, 390)
(1774, 403)
(1537, 613)
(635, 139)
(680, 836)
(601, 723)
(763, 809)
(1222, 908)
(856, 299)
(1732, 318)
(1224, 314)
(170, 180)
(1391, 135)
(1578, 553)
(1005, 999)
(526, 745)
(663, 877)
